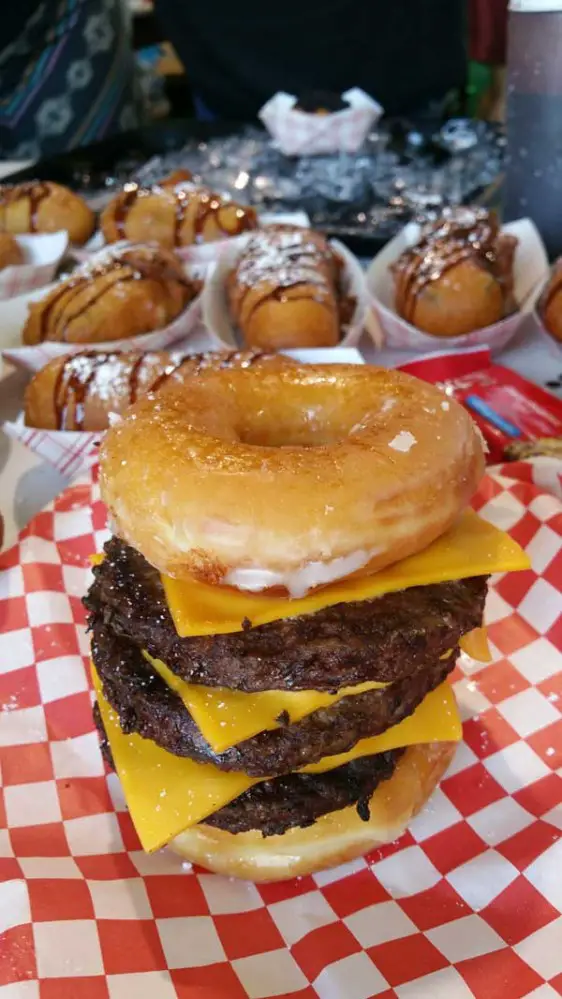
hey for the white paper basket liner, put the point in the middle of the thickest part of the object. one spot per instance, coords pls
(216, 314)
(43, 254)
(388, 329)
(69, 451)
(297, 132)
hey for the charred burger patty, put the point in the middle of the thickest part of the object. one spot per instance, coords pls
(276, 805)
(407, 640)
(146, 705)
(384, 639)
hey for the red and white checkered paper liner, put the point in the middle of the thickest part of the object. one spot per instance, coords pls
(467, 903)
(43, 253)
(298, 133)
(67, 450)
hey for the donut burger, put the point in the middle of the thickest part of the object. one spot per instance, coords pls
(293, 571)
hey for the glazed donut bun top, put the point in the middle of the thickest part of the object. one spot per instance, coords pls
(288, 475)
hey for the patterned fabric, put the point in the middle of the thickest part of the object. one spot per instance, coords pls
(67, 79)
(466, 904)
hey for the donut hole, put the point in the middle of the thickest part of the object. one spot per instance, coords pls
(295, 433)
(301, 416)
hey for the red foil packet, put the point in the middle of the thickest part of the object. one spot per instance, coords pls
(506, 407)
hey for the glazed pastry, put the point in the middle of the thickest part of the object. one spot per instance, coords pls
(11, 253)
(41, 206)
(284, 290)
(459, 277)
(84, 391)
(78, 391)
(127, 291)
(549, 447)
(173, 216)
(550, 303)
(179, 176)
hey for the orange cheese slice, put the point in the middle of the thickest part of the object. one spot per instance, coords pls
(471, 548)
(475, 644)
(227, 717)
(436, 719)
(167, 794)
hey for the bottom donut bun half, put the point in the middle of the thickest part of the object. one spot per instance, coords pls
(333, 839)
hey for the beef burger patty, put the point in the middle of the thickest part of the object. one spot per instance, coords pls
(381, 640)
(297, 799)
(146, 705)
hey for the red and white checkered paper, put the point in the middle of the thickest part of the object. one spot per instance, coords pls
(467, 903)
(67, 450)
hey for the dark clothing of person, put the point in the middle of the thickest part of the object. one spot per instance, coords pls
(405, 53)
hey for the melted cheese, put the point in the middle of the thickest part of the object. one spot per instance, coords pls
(471, 548)
(227, 717)
(436, 719)
(166, 794)
(475, 644)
